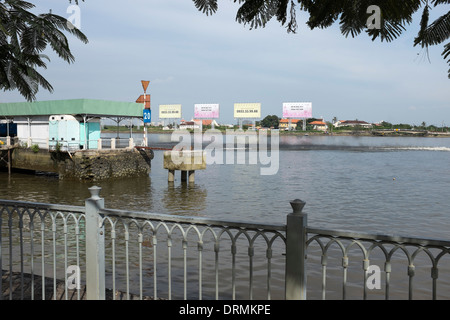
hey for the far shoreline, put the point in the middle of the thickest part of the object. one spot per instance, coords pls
(373, 133)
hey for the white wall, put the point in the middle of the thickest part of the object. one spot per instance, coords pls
(38, 128)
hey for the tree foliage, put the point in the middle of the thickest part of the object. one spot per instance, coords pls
(352, 16)
(24, 37)
(270, 121)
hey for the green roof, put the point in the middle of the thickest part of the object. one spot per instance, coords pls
(90, 107)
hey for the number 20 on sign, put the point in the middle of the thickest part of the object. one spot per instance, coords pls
(147, 116)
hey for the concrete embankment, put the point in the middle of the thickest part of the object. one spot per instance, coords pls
(89, 165)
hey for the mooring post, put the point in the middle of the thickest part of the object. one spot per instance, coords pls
(296, 252)
(95, 246)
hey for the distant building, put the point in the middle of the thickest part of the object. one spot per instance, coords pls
(206, 122)
(284, 124)
(189, 125)
(319, 125)
(73, 124)
(352, 123)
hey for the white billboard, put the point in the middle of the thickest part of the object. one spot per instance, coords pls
(170, 111)
(206, 111)
(297, 110)
(247, 110)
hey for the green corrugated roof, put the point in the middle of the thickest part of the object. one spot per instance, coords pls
(100, 108)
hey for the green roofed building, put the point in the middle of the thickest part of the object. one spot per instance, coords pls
(88, 107)
(74, 124)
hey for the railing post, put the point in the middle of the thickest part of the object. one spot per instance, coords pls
(296, 252)
(95, 247)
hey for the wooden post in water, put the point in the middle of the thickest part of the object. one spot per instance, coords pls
(9, 161)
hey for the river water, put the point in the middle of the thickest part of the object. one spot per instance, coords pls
(389, 185)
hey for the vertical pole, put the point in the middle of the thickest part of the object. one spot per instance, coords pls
(191, 176)
(9, 161)
(171, 177)
(296, 252)
(145, 141)
(145, 127)
(85, 135)
(95, 247)
(29, 133)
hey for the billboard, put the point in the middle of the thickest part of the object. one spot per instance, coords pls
(206, 111)
(297, 110)
(170, 111)
(247, 110)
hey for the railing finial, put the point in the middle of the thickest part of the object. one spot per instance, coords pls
(297, 206)
(95, 192)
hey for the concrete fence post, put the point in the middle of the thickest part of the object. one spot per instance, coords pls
(113, 143)
(95, 247)
(295, 282)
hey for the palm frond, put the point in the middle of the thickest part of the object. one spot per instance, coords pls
(206, 6)
(435, 33)
(446, 54)
(438, 2)
(23, 38)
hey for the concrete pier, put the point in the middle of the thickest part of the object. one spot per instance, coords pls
(186, 161)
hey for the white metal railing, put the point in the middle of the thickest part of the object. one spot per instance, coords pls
(178, 248)
(8, 141)
(410, 263)
(73, 145)
(115, 143)
(39, 240)
(143, 255)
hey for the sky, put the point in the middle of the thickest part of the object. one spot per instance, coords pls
(190, 58)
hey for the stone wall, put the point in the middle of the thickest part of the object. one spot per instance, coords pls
(86, 165)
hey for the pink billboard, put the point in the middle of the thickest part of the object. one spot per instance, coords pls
(206, 111)
(297, 110)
